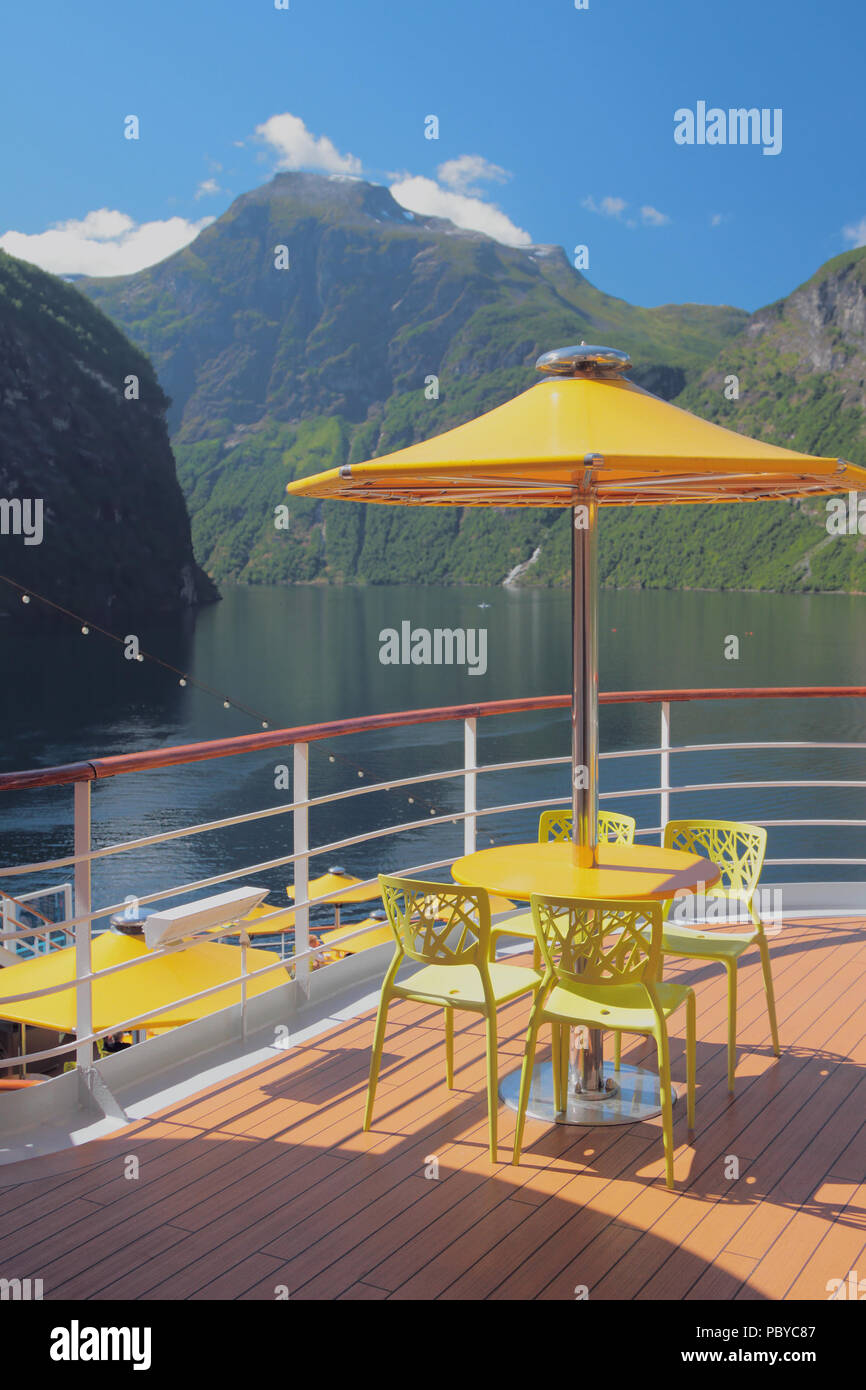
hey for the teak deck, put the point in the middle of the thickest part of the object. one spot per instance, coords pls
(264, 1185)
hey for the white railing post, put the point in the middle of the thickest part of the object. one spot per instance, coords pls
(83, 931)
(470, 780)
(244, 941)
(67, 908)
(301, 845)
(665, 778)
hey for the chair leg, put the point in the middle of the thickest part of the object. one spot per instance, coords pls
(376, 1055)
(732, 1023)
(525, 1082)
(536, 956)
(691, 1055)
(768, 986)
(449, 1048)
(667, 1103)
(617, 1049)
(492, 1083)
(556, 1059)
(565, 1062)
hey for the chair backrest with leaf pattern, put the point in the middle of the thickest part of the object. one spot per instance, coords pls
(612, 827)
(599, 941)
(735, 847)
(436, 924)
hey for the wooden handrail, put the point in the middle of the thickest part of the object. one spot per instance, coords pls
(178, 754)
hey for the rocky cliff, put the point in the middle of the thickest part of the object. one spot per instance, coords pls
(85, 453)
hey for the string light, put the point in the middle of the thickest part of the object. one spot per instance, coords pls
(88, 627)
(185, 680)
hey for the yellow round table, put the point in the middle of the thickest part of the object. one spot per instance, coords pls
(621, 871)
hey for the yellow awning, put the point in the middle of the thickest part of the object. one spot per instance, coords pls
(149, 985)
(535, 451)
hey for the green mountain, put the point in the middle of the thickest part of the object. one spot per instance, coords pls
(114, 537)
(800, 366)
(275, 373)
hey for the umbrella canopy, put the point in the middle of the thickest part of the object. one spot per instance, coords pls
(379, 934)
(585, 437)
(148, 985)
(339, 887)
(534, 451)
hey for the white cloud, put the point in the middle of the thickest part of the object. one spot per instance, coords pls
(429, 198)
(464, 174)
(207, 188)
(651, 217)
(856, 233)
(615, 207)
(105, 242)
(297, 148)
(608, 207)
(717, 219)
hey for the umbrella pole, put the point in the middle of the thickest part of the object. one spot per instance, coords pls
(587, 1044)
(584, 688)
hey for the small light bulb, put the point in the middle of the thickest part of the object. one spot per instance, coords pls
(227, 704)
(85, 630)
(139, 657)
(182, 680)
(265, 724)
(25, 598)
(360, 774)
(331, 758)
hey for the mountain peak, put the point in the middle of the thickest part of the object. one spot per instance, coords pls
(343, 195)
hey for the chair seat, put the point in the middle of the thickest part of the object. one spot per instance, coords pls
(613, 1006)
(460, 985)
(521, 924)
(709, 944)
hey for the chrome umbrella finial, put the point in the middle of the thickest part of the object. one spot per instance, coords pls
(584, 360)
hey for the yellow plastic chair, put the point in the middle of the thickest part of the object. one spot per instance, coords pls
(602, 960)
(738, 849)
(446, 930)
(612, 828)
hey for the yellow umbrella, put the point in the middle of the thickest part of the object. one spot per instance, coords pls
(339, 887)
(379, 934)
(145, 986)
(583, 438)
(264, 920)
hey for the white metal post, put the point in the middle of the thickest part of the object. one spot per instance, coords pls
(301, 845)
(470, 803)
(245, 941)
(83, 931)
(665, 779)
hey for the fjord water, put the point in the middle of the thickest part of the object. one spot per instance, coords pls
(308, 654)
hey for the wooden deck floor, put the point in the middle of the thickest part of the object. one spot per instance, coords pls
(266, 1180)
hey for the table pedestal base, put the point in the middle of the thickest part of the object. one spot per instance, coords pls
(635, 1097)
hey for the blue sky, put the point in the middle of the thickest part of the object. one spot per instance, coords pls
(569, 115)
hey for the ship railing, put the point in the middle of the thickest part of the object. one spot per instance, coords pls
(304, 955)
